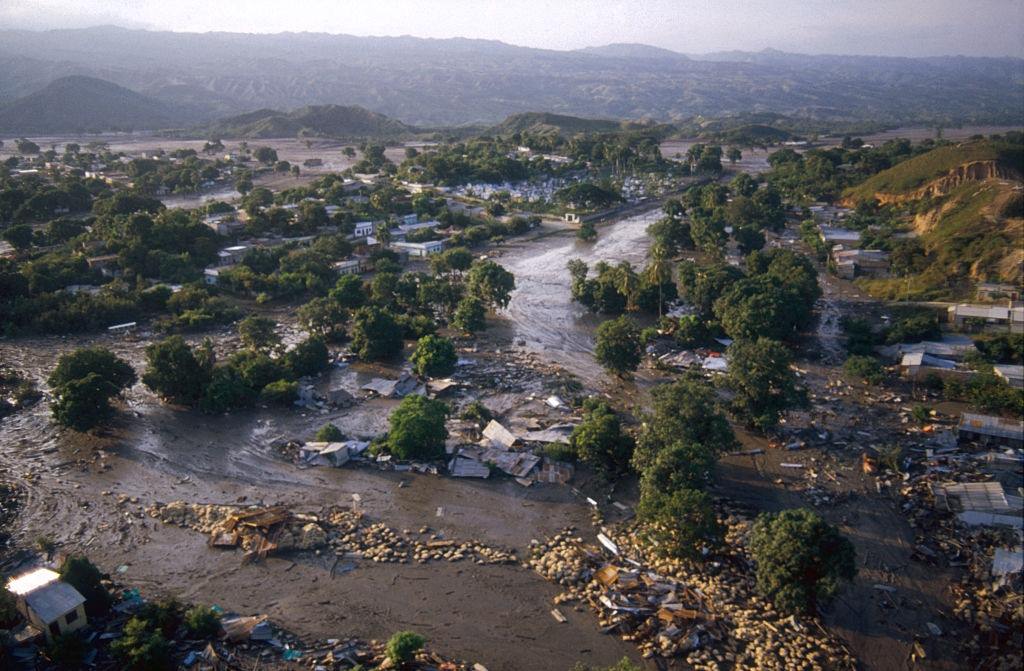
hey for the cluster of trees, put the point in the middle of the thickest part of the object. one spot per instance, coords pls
(624, 152)
(822, 174)
(35, 198)
(620, 288)
(479, 160)
(378, 316)
(262, 371)
(676, 451)
(83, 384)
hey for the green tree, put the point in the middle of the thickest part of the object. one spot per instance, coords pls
(259, 333)
(83, 361)
(801, 559)
(175, 372)
(84, 403)
(679, 465)
(226, 391)
(491, 283)
(375, 334)
(434, 356)
(324, 317)
(762, 381)
(265, 155)
(734, 154)
(416, 428)
(684, 411)
(403, 646)
(470, 315)
(748, 239)
(600, 442)
(309, 357)
(19, 236)
(349, 292)
(678, 524)
(618, 346)
(659, 270)
(67, 651)
(587, 231)
(83, 575)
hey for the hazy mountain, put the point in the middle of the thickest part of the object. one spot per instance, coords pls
(334, 121)
(461, 81)
(77, 103)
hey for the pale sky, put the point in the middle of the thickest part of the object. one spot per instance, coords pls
(882, 27)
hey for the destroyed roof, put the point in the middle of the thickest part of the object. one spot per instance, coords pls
(465, 467)
(498, 434)
(985, 497)
(1007, 561)
(952, 346)
(925, 359)
(992, 426)
(53, 601)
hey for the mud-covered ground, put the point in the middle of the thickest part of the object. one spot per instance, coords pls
(88, 493)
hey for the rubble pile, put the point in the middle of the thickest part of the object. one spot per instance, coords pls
(713, 617)
(991, 605)
(260, 530)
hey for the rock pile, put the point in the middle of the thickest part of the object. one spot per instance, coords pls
(348, 533)
(709, 614)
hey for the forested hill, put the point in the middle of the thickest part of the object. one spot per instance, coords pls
(459, 81)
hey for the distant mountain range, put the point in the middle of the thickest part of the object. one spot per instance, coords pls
(429, 82)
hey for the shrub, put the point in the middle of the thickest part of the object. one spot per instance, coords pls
(280, 392)
(866, 368)
(67, 651)
(202, 622)
(329, 433)
(599, 441)
(163, 616)
(403, 646)
(680, 524)
(475, 411)
(141, 649)
(560, 452)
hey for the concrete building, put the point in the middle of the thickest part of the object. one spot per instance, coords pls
(51, 606)
(832, 235)
(353, 266)
(106, 264)
(230, 256)
(224, 223)
(990, 430)
(987, 316)
(852, 263)
(362, 229)
(420, 249)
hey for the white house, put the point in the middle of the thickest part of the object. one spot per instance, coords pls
(420, 249)
(51, 606)
(229, 256)
(352, 266)
(362, 229)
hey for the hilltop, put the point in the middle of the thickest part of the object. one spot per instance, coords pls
(541, 123)
(331, 121)
(77, 104)
(965, 205)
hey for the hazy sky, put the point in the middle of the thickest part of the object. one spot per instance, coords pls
(886, 27)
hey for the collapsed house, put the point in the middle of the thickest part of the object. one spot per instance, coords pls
(991, 431)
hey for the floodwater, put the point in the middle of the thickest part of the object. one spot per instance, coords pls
(542, 314)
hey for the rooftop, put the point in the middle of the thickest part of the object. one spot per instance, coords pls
(54, 600)
(34, 579)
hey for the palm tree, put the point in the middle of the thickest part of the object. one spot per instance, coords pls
(659, 270)
(627, 284)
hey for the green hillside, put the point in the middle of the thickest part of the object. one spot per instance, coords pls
(965, 205)
(909, 176)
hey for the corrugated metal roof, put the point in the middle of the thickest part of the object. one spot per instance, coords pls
(54, 600)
